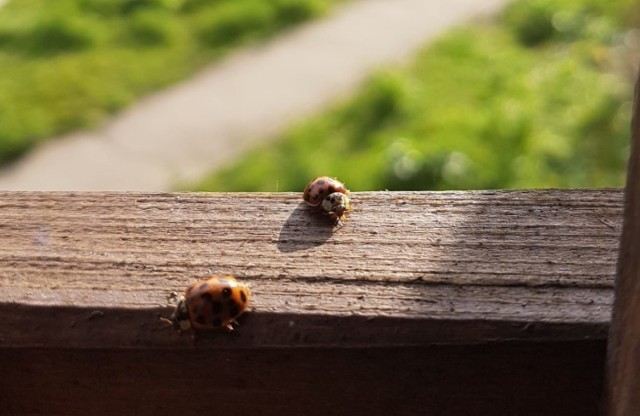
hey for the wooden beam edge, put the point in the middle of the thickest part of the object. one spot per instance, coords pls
(25, 326)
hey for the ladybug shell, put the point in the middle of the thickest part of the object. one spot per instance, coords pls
(321, 187)
(216, 302)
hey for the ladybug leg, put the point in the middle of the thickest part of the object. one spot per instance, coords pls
(231, 326)
(337, 219)
(166, 322)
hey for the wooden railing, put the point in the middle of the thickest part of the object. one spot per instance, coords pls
(493, 302)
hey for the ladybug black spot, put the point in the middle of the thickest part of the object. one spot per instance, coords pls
(216, 307)
(207, 297)
(233, 308)
(200, 319)
(320, 182)
(331, 189)
(226, 292)
(203, 286)
(243, 296)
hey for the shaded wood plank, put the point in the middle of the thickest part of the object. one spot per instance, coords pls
(624, 345)
(408, 268)
(525, 378)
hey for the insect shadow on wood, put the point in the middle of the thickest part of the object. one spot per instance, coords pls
(305, 228)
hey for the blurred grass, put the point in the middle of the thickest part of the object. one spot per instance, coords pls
(68, 64)
(539, 97)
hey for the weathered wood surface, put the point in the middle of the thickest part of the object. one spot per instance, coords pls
(98, 270)
(624, 343)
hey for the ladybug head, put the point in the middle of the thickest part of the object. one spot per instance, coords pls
(336, 204)
(180, 316)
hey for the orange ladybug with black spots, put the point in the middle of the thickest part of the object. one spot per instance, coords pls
(330, 195)
(212, 303)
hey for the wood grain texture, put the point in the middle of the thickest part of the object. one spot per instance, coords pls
(624, 346)
(98, 270)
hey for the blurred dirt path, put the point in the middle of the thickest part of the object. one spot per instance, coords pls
(177, 135)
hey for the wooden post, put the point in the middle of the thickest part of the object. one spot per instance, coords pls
(624, 340)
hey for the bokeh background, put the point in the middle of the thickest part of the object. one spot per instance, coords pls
(538, 95)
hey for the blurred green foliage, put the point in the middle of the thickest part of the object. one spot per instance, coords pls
(67, 64)
(539, 97)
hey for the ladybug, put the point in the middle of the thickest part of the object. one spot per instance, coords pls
(330, 195)
(212, 303)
